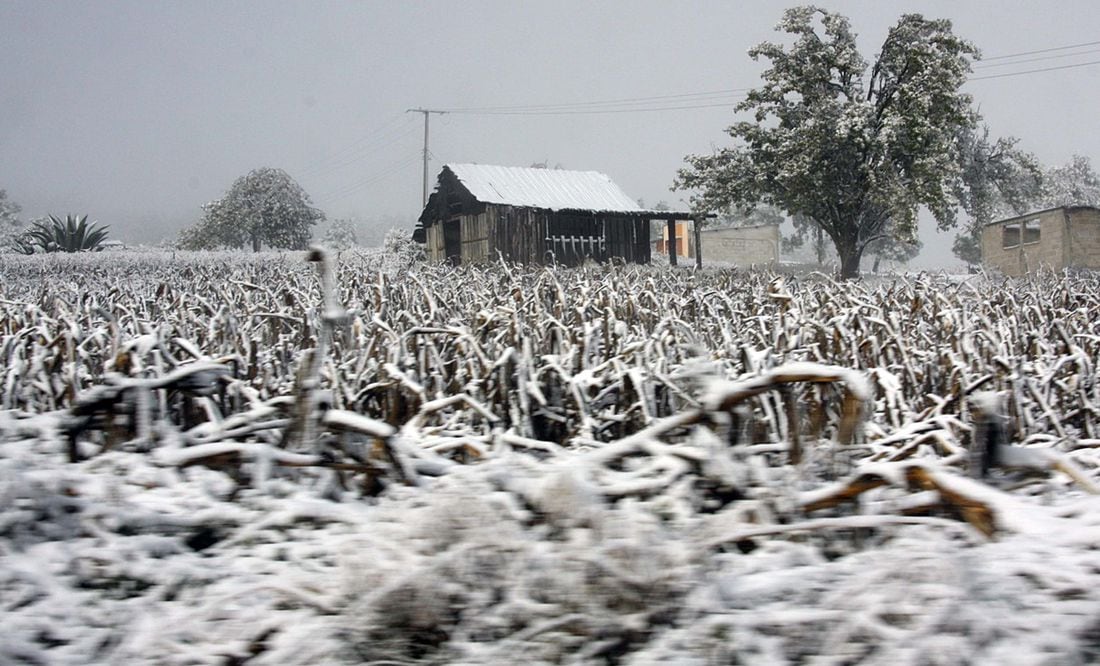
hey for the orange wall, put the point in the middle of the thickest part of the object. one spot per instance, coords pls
(683, 240)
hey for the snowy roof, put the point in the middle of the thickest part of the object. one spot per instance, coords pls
(551, 189)
(1069, 207)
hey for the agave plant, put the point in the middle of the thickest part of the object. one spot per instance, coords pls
(74, 234)
(23, 243)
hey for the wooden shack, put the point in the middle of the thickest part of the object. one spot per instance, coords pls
(480, 213)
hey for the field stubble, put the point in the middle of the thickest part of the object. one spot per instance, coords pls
(579, 421)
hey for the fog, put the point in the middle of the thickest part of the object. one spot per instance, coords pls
(137, 113)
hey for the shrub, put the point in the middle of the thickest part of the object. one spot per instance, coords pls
(74, 234)
(340, 235)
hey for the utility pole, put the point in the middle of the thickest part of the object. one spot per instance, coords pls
(426, 112)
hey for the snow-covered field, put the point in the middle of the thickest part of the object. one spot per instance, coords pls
(506, 465)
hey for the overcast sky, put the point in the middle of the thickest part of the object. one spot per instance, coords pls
(139, 112)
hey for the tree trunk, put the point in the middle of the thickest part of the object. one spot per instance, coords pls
(256, 242)
(849, 262)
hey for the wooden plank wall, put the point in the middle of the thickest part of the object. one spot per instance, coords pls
(519, 234)
(434, 236)
(642, 248)
(628, 239)
(618, 239)
(575, 237)
(475, 238)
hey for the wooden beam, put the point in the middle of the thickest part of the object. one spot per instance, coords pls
(671, 244)
(665, 215)
(697, 227)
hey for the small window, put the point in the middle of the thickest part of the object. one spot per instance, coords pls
(1031, 231)
(1011, 236)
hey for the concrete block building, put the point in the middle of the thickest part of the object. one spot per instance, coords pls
(742, 246)
(1054, 239)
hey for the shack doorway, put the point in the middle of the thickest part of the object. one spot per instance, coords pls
(452, 242)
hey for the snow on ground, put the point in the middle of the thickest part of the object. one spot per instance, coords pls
(117, 560)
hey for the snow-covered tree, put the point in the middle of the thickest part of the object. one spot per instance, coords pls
(1072, 184)
(264, 207)
(805, 229)
(855, 151)
(10, 224)
(998, 180)
(399, 251)
(340, 235)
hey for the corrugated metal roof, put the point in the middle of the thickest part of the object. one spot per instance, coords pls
(552, 189)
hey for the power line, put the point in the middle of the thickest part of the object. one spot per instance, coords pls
(730, 95)
(1049, 50)
(360, 154)
(649, 104)
(388, 171)
(1039, 59)
(381, 137)
(583, 108)
(1034, 71)
(697, 96)
(572, 112)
